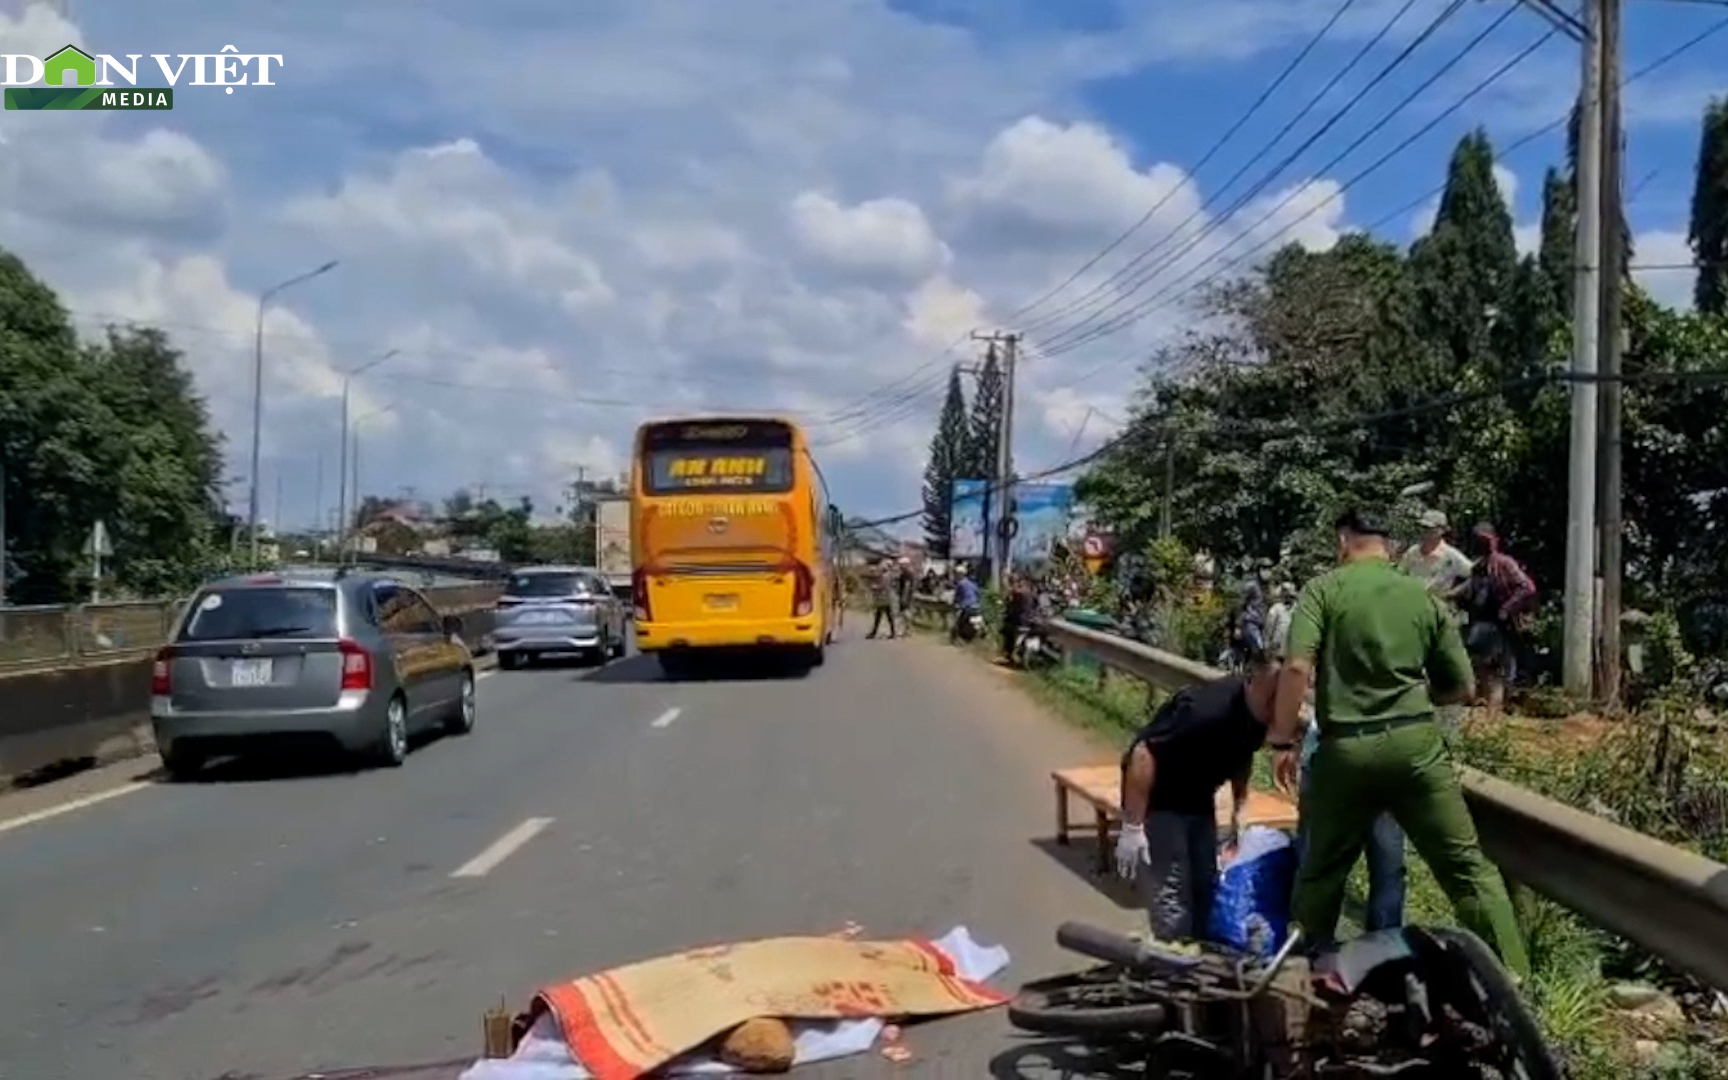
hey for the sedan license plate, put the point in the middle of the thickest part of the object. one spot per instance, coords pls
(251, 673)
(721, 601)
(543, 618)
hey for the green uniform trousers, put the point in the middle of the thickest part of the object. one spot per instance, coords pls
(1402, 769)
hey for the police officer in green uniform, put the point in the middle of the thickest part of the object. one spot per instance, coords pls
(1382, 654)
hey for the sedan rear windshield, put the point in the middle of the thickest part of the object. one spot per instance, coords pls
(253, 613)
(548, 586)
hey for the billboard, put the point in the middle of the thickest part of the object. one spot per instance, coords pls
(966, 526)
(612, 539)
(1045, 513)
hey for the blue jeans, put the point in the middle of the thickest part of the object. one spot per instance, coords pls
(1385, 851)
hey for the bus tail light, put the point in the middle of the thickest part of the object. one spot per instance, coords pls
(639, 595)
(803, 590)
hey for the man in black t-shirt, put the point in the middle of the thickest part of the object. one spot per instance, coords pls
(1203, 737)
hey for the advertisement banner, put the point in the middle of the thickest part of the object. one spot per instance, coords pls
(612, 539)
(1045, 513)
(966, 519)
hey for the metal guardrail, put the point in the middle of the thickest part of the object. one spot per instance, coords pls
(35, 638)
(1670, 901)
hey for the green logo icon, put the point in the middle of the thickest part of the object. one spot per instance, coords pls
(71, 66)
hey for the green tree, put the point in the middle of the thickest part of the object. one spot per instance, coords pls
(1559, 242)
(1465, 266)
(166, 507)
(1708, 229)
(984, 423)
(947, 454)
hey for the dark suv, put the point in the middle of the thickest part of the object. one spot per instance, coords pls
(357, 661)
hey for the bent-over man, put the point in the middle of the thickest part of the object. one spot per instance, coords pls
(1200, 739)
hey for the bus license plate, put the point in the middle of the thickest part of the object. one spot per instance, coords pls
(251, 673)
(721, 601)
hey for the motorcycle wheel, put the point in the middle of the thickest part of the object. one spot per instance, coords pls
(1090, 1003)
(1530, 1053)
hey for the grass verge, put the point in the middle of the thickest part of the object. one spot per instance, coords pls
(1574, 964)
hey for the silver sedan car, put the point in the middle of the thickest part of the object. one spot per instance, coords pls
(558, 610)
(357, 661)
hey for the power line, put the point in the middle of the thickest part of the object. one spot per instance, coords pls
(1139, 279)
(1223, 140)
(1067, 341)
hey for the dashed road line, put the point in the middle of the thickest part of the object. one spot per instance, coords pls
(666, 719)
(502, 848)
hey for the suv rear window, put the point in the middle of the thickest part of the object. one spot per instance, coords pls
(239, 614)
(546, 586)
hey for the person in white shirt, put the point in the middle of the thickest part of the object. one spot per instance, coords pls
(1439, 564)
(1445, 569)
(1278, 620)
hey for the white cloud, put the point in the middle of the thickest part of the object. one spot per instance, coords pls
(1668, 254)
(636, 209)
(885, 235)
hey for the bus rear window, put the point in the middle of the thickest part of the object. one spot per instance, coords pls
(702, 469)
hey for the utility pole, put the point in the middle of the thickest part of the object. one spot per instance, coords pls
(1580, 585)
(4, 565)
(1612, 343)
(318, 510)
(1007, 350)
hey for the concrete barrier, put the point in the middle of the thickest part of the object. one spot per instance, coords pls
(97, 710)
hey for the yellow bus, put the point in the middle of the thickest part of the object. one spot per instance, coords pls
(733, 540)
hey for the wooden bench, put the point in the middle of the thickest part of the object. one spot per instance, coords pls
(1099, 787)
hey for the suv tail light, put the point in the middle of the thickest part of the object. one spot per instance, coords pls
(803, 590)
(161, 680)
(639, 595)
(356, 666)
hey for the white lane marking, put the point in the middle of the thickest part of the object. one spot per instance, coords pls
(485, 675)
(68, 807)
(502, 848)
(665, 719)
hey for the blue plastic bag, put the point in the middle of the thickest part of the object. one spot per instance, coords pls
(1251, 908)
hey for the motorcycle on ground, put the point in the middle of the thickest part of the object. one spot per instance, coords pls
(1417, 1003)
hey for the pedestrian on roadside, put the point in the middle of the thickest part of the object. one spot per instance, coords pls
(1381, 653)
(968, 602)
(1016, 614)
(1203, 737)
(884, 599)
(1497, 602)
(1278, 619)
(1439, 565)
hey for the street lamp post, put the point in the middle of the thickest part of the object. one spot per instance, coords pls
(342, 497)
(264, 299)
(355, 457)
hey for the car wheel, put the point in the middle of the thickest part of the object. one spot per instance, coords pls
(181, 765)
(462, 722)
(392, 748)
(509, 661)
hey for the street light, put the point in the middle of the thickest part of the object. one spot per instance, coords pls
(258, 395)
(342, 474)
(355, 458)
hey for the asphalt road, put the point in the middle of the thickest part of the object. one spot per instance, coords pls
(285, 922)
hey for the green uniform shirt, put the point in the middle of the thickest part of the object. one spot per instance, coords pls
(1377, 638)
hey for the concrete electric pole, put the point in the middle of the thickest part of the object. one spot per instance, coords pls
(1581, 524)
(1611, 346)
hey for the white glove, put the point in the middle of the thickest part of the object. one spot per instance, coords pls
(1132, 851)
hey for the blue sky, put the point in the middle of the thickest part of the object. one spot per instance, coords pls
(568, 216)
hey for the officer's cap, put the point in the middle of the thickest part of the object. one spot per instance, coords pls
(1362, 523)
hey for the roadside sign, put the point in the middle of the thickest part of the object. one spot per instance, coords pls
(98, 545)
